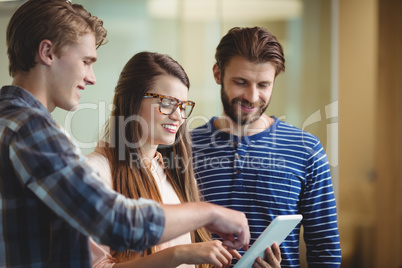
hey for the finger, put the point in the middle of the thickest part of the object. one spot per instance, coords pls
(215, 262)
(223, 256)
(260, 263)
(235, 254)
(244, 239)
(223, 260)
(277, 251)
(221, 253)
(230, 244)
(229, 237)
(269, 256)
(227, 254)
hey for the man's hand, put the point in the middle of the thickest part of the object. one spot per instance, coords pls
(230, 225)
(272, 258)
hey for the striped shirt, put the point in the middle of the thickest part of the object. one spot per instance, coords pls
(282, 170)
(51, 201)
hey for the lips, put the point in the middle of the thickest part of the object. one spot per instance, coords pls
(170, 128)
(247, 108)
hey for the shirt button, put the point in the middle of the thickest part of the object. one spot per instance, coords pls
(238, 171)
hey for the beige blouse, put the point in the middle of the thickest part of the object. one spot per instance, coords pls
(100, 254)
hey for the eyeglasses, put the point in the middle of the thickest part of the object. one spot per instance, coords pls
(168, 104)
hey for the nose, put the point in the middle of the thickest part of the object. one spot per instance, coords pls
(90, 79)
(176, 115)
(251, 94)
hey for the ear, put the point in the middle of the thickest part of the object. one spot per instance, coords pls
(217, 74)
(45, 52)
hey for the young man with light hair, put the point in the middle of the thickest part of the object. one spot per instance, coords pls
(51, 200)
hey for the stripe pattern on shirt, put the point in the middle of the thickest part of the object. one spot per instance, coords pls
(282, 170)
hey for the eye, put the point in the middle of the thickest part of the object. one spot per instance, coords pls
(239, 82)
(264, 85)
(168, 103)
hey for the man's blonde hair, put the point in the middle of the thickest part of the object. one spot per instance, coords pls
(56, 20)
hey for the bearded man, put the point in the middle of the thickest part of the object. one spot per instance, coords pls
(259, 165)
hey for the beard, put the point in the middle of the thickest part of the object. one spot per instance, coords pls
(232, 109)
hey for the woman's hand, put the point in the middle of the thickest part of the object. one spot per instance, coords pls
(210, 252)
(272, 258)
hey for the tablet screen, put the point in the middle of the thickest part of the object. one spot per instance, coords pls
(277, 231)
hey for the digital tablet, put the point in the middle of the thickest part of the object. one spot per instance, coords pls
(276, 231)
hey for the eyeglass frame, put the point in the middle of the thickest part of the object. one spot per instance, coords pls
(178, 104)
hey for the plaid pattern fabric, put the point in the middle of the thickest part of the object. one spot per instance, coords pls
(51, 201)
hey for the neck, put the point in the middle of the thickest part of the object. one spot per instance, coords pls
(34, 82)
(225, 124)
(149, 150)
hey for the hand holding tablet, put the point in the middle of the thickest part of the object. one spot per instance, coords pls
(276, 231)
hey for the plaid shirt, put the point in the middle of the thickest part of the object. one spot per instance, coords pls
(51, 201)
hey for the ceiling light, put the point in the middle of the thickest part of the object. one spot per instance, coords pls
(254, 10)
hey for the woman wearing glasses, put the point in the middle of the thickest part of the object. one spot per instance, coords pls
(146, 153)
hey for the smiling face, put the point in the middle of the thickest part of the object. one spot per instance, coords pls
(71, 72)
(161, 129)
(246, 89)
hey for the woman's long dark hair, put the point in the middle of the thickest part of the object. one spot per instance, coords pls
(123, 137)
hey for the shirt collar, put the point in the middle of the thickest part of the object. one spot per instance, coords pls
(157, 160)
(14, 92)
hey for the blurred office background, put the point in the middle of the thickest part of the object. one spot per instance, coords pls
(342, 83)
